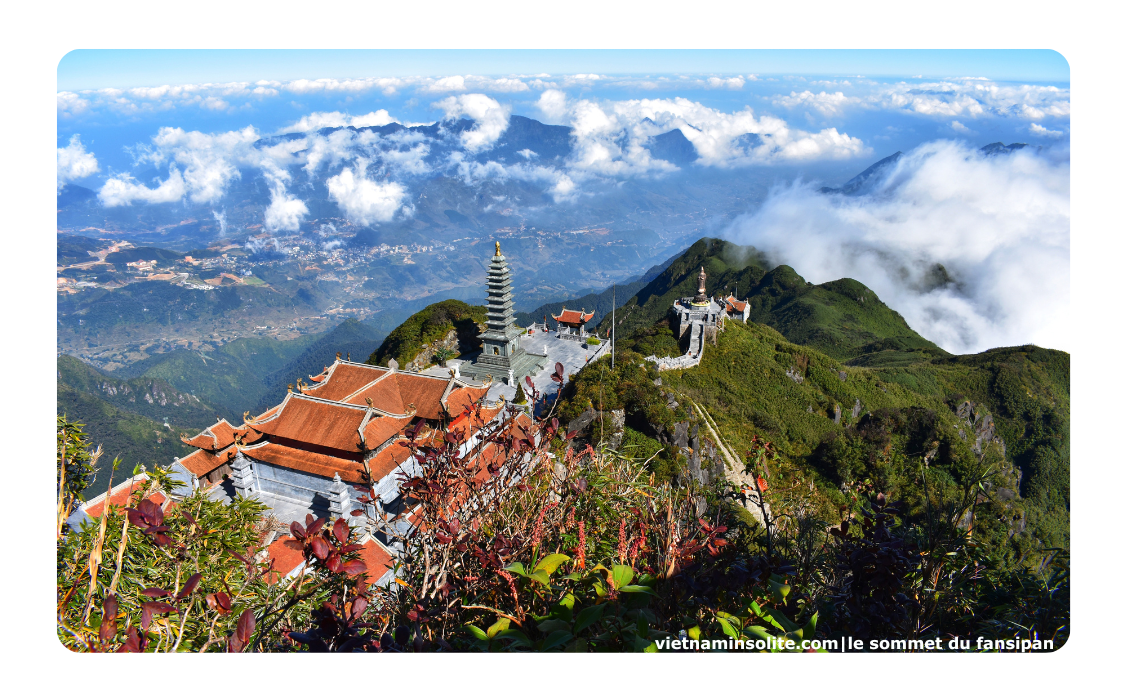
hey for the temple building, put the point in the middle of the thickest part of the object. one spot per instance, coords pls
(572, 324)
(346, 429)
(700, 317)
(502, 359)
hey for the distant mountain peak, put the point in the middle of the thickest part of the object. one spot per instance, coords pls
(863, 181)
(995, 148)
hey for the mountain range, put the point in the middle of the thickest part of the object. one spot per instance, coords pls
(813, 363)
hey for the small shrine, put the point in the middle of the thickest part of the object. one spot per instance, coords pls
(572, 324)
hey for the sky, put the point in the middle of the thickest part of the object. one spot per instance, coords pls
(116, 100)
(154, 127)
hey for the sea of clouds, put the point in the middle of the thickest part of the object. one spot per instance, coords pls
(998, 224)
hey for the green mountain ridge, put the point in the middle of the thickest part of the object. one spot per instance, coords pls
(754, 382)
(131, 437)
(349, 337)
(842, 318)
(428, 325)
(146, 396)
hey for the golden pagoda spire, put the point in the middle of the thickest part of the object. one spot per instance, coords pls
(497, 251)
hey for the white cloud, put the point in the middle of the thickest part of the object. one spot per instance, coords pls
(210, 161)
(387, 85)
(611, 137)
(336, 119)
(966, 97)
(491, 118)
(974, 97)
(560, 185)
(729, 83)
(74, 162)
(70, 103)
(455, 83)
(553, 106)
(476, 82)
(999, 225)
(959, 128)
(826, 104)
(1043, 131)
(220, 218)
(285, 211)
(122, 189)
(362, 200)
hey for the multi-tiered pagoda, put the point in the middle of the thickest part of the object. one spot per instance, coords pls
(502, 358)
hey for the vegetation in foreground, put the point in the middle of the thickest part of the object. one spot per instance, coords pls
(558, 546)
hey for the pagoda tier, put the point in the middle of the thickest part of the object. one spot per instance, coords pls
(500, 302)
(502, 358)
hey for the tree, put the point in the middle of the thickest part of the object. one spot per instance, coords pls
(75, 469)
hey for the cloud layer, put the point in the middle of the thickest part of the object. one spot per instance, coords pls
(364, 201)
(999, 225)
(74, 162)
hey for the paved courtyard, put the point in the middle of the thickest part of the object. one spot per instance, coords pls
(573, 356)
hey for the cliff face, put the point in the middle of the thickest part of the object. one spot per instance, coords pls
(449, 324)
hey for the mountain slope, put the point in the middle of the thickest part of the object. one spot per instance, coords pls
(350, 337)
(843, 318)
(133, 438)
(600, 302)
(150, 397)
(231, 377)
(867, 178)
(1011, 405)
(431, 324)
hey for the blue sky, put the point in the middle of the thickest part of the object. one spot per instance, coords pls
(186, 127)
(95, 69)
(844, 109)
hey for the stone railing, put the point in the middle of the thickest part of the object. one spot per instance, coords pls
(567, 334)
(685, 361)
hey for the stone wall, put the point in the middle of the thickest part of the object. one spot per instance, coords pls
(685, 361)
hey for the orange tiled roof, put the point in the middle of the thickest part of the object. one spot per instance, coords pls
(736, 304)
(573, 317)
(350, 470)
(388, 460)
(396, 392)
(375, 559)
(121, 496)
(381, 428)
(318, 422)
(284, 559)
(466, 424)
(201, 463)
(460, 398)
(344, 379)
(215, 437)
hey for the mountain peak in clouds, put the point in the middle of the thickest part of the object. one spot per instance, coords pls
(71, 194)
(995, 148)
(673, 147)
(867, 178)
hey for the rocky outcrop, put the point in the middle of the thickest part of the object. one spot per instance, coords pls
(980, 426)
(582, 421)
(423, 359)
